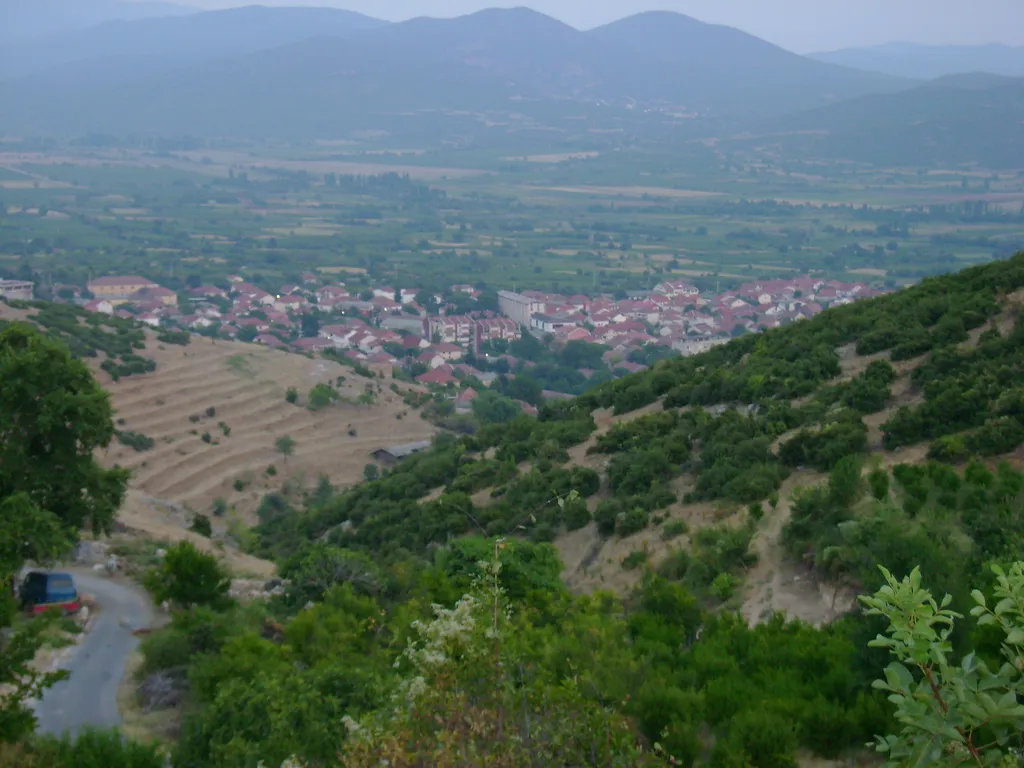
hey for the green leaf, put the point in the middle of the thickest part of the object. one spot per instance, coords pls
(1016, 636)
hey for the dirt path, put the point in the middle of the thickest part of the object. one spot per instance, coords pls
(776, 585)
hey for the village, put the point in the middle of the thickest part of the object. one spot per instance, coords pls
(427, 337)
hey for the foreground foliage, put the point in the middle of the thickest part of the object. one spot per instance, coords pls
(964, 712)
(53, 419)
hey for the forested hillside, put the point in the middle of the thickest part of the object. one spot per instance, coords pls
(426, 610)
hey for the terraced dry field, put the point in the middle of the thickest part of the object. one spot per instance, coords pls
(245, 385)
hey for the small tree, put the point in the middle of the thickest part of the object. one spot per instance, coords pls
(285, 446)
(321, 396)
(370, 473)
(291, 395)
(188, 577)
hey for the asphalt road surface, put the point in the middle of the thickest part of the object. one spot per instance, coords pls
(89, 697)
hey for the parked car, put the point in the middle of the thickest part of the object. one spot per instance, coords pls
(42, 591)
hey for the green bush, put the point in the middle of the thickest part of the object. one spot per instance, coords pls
(189, 577)
(674, 530)
(291, 395)
(181, 338)
(634, 560)
(201, 524)
(631, 521)
(136, 440)
(89, 749)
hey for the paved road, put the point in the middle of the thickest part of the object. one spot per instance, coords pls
(89, 696)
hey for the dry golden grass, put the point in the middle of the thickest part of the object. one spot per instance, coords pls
(245, 384)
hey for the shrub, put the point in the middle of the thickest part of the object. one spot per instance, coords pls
(291, 395)
(89, 749)
(321, 396)
(207, 437)
(371, 473)
(271, 470)
(220, 508)
(181, 338)
(674, 530)
(211, 412)
(239, 484)
(201, 523)
(575, 514)
(755, 510)
(136, 440)
(188, 577)
(878, 480)
(630, 522)
(224, 428)
(723, 586)
(634, 560)
(194, 418)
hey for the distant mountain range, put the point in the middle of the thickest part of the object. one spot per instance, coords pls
(172, 41)
(304, 72)
(22, 20)
(927, 62)
(974, 118)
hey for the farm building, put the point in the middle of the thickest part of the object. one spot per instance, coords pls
(394, 454)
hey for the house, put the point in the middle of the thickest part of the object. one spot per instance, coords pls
(579, 334)
(312, 345)
(497, 328)
(394, 454)
(529, 410)
(269, 340)
(442, 376)
(449, 352)
(288, 302)
(550, 323)
(452, 329)
(208, 292)
(464, 400)
(100, 305)
(149, 319)
(676, 288)
(385, 304)
(154, 294)
(431, 359)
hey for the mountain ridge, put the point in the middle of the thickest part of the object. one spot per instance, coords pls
(501, 58)
(930, 61)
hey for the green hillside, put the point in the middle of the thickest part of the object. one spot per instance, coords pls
(954, 120)
(428, 607)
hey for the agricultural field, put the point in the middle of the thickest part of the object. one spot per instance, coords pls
(199, 431)
(576, 220)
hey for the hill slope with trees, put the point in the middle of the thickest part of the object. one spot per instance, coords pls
(893, 424)
(424, 619)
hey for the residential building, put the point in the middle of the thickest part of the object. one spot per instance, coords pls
(118, 287)
(518, 306)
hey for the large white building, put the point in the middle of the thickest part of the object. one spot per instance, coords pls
(17, 289)
(518, 307)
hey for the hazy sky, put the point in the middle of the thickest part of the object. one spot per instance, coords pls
(800, 25)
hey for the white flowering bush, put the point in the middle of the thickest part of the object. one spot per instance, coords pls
(464, 699)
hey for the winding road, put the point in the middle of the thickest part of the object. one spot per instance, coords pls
(88, 698)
